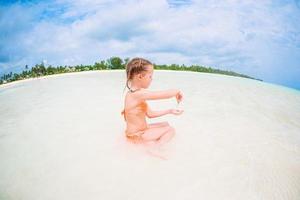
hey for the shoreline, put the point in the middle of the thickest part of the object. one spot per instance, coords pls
(5, 85)
(114, 70)
(2, 86)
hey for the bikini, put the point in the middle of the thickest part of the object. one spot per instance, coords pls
(139, 109)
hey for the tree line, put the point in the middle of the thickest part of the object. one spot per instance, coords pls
(109, 64)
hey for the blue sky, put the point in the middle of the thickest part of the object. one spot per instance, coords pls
(257, 38)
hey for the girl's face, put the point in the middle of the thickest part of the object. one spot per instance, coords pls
(147, 77)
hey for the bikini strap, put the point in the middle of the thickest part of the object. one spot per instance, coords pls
(134, 90)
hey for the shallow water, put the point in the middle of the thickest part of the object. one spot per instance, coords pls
(61, 137)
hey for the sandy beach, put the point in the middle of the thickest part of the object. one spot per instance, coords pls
(62, 137)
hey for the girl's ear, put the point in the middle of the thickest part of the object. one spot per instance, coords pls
(141, 75)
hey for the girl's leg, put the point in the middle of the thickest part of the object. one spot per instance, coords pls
(167, 136)
(150, 126)
(156, 137)
(158, 124)
(160, 135)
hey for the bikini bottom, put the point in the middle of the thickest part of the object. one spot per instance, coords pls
(135, 137)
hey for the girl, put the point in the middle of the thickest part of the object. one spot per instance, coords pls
(139, 73)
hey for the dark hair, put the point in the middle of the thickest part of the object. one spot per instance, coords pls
(135, 66)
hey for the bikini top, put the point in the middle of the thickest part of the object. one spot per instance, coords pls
(140, 109)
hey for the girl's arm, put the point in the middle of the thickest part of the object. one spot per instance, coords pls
(153, 95)
(152, 114)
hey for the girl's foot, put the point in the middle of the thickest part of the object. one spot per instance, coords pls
(157, 153)
(156, 149)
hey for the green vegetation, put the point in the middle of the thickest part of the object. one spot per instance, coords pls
(110, 64)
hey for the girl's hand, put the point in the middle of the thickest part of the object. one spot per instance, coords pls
(179, 96)
(176, 111)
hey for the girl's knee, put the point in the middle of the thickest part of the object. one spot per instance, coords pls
(166, 123)
(172, 130)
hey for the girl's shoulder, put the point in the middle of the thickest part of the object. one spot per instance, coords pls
(141, 90)
(134, 96)
(137, 94)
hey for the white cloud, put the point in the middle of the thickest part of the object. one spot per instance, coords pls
(233, 35)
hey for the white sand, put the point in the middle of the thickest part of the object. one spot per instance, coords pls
(61, 137)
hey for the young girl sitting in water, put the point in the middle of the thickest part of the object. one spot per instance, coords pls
(139, 73)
